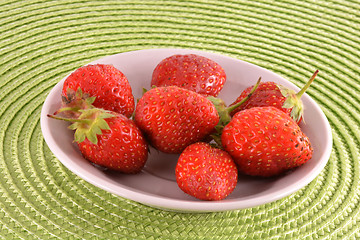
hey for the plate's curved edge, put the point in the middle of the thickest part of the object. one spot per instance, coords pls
(183, 205)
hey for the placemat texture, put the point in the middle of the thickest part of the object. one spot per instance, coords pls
(41, 41)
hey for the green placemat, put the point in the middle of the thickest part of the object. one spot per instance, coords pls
(42, 41)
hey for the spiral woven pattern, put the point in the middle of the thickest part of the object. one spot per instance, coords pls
(42, 41)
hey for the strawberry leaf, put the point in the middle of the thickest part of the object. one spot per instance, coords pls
(79, 135)
(102, 124)
(293, 102)
(297, 111)
(90, 100)
(91, 135)
(78, 93)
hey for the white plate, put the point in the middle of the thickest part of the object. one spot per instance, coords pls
(155, 185)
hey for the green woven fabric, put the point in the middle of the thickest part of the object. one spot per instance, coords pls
(41, 41)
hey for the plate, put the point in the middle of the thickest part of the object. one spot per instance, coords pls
(155, 185)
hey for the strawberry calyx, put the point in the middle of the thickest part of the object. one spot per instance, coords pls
(293, 99)
(87, 120)
(224, 112)
(74, 101)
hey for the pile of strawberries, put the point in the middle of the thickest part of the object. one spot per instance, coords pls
(257, 135)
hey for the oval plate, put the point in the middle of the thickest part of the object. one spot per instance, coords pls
(156, 185)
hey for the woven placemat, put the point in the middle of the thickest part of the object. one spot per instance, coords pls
(42, 41)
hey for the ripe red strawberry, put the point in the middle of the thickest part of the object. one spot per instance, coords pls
(190, 71)
(265, 141)
(267, 94)
(122, 147)
(105, 82)
(173, 118)
(275, 95)
(205, 172)
(106, 138)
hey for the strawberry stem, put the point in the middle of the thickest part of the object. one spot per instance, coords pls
(307, 85)
(86, 121)
(233, 107)
(64, 109)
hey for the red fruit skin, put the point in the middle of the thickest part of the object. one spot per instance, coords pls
(267, 94)
(265, 141)
(173, 118)
(205, 172)
(122, 148)
(190, 71)
(105, 82)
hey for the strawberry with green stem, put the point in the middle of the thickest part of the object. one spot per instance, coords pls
(173, 118)
(275, 95)
(105, 138)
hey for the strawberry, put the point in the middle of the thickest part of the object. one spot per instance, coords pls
(265, 141)
(190, 71)
(275, 95)
(173, 118)
(105, 138)
(105, 82)
(206, 172)
(121, 147)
